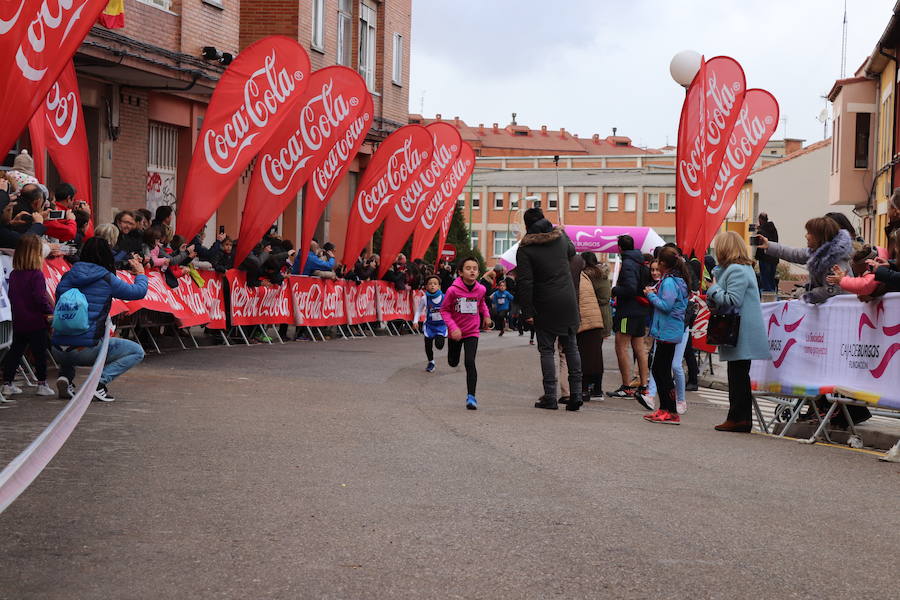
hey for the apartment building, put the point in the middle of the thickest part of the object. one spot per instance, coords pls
(145, 88)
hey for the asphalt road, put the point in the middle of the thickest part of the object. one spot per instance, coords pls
(343, 470)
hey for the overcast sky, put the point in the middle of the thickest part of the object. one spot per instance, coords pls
(590, 65)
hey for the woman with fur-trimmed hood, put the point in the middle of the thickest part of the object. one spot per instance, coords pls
(827, 245)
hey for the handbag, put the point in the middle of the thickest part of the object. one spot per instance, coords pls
(723, 329)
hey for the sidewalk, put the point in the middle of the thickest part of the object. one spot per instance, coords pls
(876, 433)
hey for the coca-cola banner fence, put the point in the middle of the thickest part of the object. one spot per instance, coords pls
(37, 39)
(392, 303)
(259, 305)
(400, 222)
(362, 302)
(756, 122)
(251, 101)
(318, 302)
(394, 166)
(319, 139)
(58, 126)
(213, 293)
(442, 201)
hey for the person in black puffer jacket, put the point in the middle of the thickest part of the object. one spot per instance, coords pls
(547, 298)
(630, 319)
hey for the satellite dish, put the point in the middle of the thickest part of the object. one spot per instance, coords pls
(823, 116)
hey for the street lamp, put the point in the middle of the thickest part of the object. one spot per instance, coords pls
(510, 212)
(684, 66)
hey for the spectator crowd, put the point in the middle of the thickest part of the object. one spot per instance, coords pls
(568, 302)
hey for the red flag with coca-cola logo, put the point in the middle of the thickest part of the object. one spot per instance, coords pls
(401, 222)
(442, 201)
(444, 231)
(58, 125)
(393, 168)
(329, 171)
(756, 122)
(319, 139)
(251, 101)
(690, 175)
(37, 39)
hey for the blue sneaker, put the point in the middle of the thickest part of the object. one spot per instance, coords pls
(471, 403)
(430, 366)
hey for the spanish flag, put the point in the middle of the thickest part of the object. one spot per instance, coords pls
(113, 16)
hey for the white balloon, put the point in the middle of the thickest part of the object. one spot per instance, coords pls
(684, 66)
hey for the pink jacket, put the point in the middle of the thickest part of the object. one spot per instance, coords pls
(463, 309)
(863, 285)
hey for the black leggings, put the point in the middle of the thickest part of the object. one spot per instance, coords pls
(39, 343)
(438, 341)
(454, 348)
(740, 397)
(662, 374)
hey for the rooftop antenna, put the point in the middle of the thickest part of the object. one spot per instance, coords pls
(514, 119)
(844, 45)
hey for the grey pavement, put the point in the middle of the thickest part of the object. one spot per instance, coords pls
(343, 470)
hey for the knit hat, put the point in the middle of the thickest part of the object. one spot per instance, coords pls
(20, 179)
(24, 163)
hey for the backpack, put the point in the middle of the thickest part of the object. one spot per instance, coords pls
(690, 312)
(70, 316)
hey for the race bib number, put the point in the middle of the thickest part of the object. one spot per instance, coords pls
(467, 306)
(436, 316)
(501, 301)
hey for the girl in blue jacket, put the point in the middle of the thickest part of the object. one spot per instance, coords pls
(669, 300)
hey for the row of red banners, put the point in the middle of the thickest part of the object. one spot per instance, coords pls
(723, 129)
(303, 301)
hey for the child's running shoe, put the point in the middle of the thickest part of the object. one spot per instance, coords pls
(665, 417)
(430, 366)
(624, 391)
(681, 406)
(652, 415)
(471, 403)
(643, 398)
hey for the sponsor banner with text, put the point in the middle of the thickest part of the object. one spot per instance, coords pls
(318, 302)
(213, 293)
(393, 303)
(362, 302)
(845, 345)
(260, 305)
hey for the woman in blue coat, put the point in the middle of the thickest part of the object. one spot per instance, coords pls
(95, 276)
(734, 289)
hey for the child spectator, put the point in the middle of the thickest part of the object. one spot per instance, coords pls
(153, 247)
(31, 311)
(434, 328)
(501, 301)
(222, 255)
(860, 280)
(464, 310)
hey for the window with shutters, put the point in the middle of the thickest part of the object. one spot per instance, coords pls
(162, 165)
(344, 32)
(367, 37)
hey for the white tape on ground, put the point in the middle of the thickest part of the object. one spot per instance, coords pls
(25, 468)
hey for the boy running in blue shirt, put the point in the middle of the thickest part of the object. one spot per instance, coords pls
(501, 302)
(434, 328)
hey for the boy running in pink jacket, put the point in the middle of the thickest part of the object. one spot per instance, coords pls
(465, 313)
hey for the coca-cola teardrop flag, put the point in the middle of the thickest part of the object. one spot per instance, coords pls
(58, 126)
(251, 101)
(329, 171)
(725, 87)
(37, 39)
(444, 231)
(321, 136)
(402, 220)
(756, 122)
(690, 174)
(442, 201)
(394, 166)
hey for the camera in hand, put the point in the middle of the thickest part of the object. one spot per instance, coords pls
(57, 214)
(755, 240)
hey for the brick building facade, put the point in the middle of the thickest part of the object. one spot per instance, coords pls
(145, 89)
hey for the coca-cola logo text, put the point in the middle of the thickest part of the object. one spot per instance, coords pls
(400, 167)
(411, 198)
(438, 199)
(52, 17)
(62, 114)
(319, 120)
(746, 136)
(263, 301)
(327, 172)
(224, 149)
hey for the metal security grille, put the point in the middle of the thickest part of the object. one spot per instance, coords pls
(163, 148)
